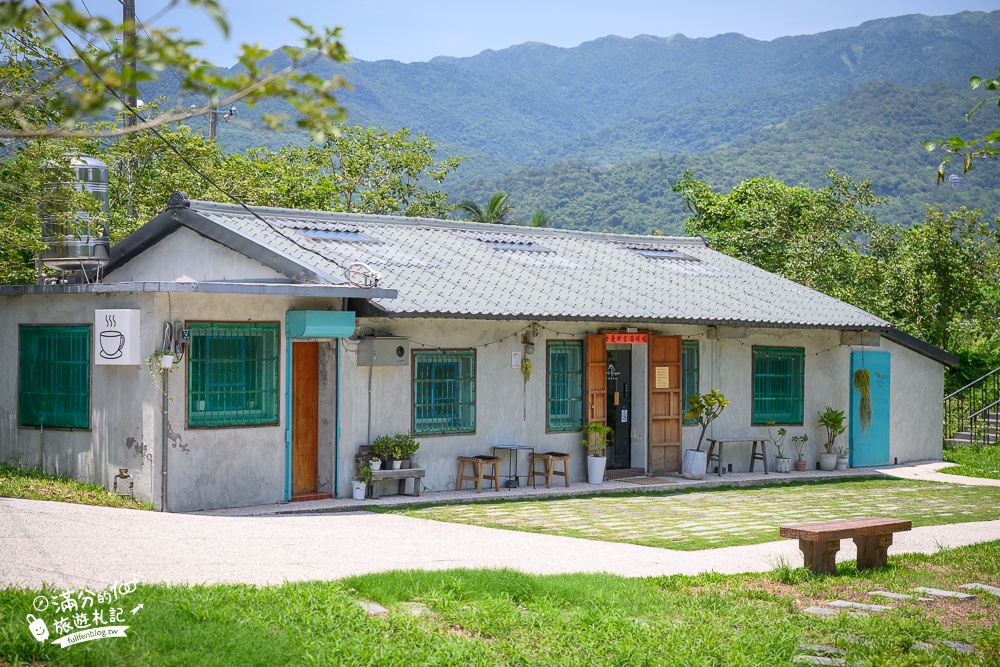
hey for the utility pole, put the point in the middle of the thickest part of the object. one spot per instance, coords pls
(213, 122)
(129, 60)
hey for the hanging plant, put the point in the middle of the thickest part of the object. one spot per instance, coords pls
(526, 370)
(863, 385)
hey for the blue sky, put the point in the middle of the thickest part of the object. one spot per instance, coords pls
(409, 30)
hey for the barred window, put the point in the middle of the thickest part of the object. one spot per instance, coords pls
(565, 386)
(778, 385)
(689, 375)
(232, 374)
(444, 392)
(54, 376)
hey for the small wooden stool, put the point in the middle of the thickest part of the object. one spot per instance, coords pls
(478, 472)
(549, 459)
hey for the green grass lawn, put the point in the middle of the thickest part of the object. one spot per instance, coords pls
(974, 461)
(501, 617)
(718, 518)
(34, 484)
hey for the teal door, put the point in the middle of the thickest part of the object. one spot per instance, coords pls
(869, 438)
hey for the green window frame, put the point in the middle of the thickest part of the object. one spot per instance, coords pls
(54, 376)
(778, 385)
(233, 374)
(689, 376)
(444, 392)
(564, 368)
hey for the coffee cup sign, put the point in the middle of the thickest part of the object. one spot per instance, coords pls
(116, 337)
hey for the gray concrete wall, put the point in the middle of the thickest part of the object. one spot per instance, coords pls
(724, 364)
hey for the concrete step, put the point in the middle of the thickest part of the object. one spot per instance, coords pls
(992, 590)
(938, 593)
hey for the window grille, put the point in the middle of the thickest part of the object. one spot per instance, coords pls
(565, 381)
(444, 392)
(233, 374)
(689, 375)
(54, 376)
(778, 385)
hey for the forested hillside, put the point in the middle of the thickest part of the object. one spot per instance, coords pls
(596, 134)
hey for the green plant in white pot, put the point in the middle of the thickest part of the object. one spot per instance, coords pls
(595, 439)
(833, 421)
(781, 462)
(705, 408)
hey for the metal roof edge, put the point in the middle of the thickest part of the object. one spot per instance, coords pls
(930, 351)
(459, 225)
(208, 287)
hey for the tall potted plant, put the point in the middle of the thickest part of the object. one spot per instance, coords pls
(833, 421)
(705, 408)
(800, 447)
(595, 439)
(782, 463)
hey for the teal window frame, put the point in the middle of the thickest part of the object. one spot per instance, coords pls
(444, 392)
(778, 385)
(54, 376)
(564, 386)
(690, 368)
(233, 374)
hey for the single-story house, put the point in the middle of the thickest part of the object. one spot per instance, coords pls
(303, 335)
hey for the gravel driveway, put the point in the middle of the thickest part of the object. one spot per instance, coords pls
(72, 546)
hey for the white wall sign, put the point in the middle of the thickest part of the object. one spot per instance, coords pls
(116, 338)
(515, 359)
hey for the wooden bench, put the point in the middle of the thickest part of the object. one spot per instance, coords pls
(820, 542)
(403, 474)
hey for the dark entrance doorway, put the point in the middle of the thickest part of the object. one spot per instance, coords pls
(619, 386)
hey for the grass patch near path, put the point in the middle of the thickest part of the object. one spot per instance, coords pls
(33, 484)
(720, 518)
(973, 461)
(502, 617)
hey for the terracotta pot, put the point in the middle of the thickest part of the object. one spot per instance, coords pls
(800, 466)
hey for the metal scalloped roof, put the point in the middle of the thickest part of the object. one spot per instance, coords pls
(498, 271)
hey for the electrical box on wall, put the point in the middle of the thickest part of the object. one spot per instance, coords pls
(383, 351)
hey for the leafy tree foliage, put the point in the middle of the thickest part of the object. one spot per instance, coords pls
(105, 71)
(969, 150)
(365, 170)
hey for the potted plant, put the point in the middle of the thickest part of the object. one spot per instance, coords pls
(359, 485)
(595, 439)
(833, 421)
(383, 447)
(842, 459)
(705, 408)
(407, 447)
(781, 462)
(375, 463)
(800, 445)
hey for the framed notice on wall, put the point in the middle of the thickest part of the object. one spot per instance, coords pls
(663, 377)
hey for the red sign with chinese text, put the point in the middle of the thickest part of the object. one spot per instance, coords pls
(627, 338)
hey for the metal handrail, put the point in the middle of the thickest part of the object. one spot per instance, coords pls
(991, 406)
(974, 382)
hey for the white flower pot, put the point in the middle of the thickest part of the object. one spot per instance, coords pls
(358, 489)
(841, 463)
(595, 469)
(376, 465)
(167, 361)
(397, 464)
(695, 464)
(783, 465)
(827, 461)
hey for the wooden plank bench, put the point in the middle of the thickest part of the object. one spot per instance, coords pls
(820, 542)
(403, 474)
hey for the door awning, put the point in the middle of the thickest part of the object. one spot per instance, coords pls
(319, 323)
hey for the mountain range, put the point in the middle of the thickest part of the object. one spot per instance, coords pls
(595, 134)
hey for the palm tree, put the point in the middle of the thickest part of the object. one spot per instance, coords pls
(496, 211)
(540, 219)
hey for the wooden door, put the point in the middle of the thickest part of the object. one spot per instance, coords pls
(305, 421)
(597, 383)
(665, 410)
